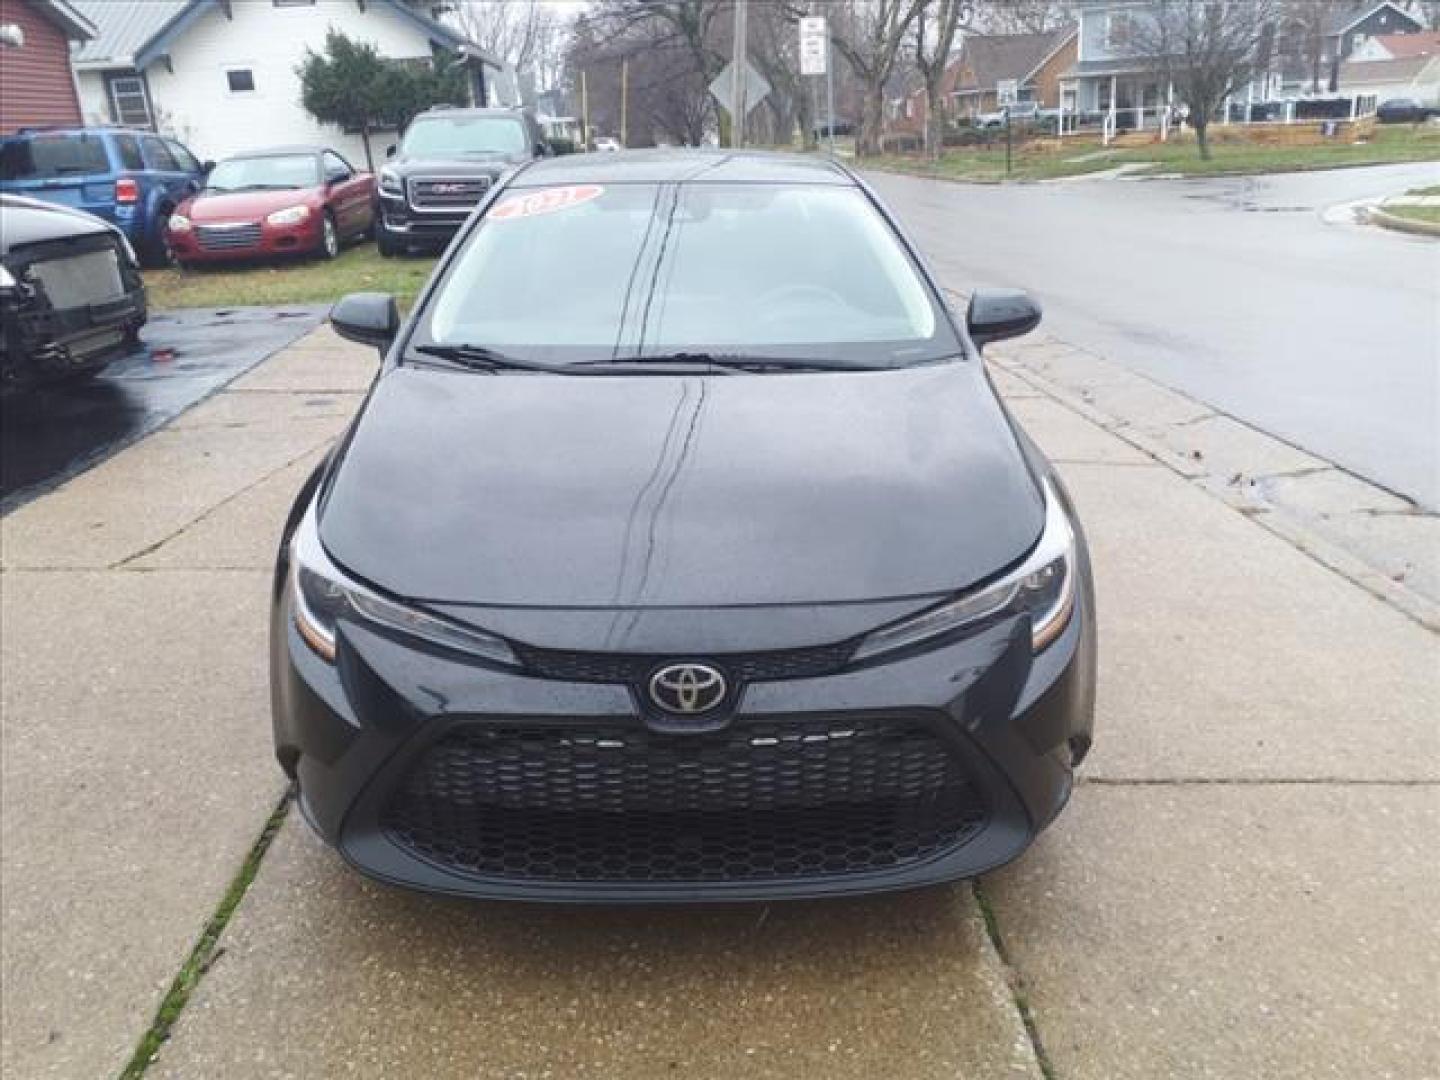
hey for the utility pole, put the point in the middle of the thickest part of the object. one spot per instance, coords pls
(737, 85)
(625, 102)
(584, 113)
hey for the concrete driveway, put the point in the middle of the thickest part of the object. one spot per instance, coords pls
(1244, 884)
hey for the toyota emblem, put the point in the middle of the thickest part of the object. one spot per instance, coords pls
(687, 689)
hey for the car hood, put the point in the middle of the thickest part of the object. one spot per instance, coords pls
(30, 221)
(692, 491)
(245, 205)
(471, 165)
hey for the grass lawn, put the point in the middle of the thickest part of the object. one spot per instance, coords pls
(1429, 214)
(1084, 155)
(1424, 190)
(358, 269)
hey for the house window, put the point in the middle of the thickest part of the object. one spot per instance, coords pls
(1120, 31)
(1007, 91)
(241, 80)
(129, 102)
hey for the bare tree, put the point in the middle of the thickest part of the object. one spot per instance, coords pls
(1305, 25)
(1024, 16)
(528, 35)
(671, 53)
(869, 34)
(1206, 49)
(935, 29)
(775, 52)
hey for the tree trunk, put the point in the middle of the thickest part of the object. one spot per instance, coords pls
(1202, 140)
(934, 118)
(365, 138)
(872, 122)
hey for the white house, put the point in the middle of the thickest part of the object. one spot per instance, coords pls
(220, 75)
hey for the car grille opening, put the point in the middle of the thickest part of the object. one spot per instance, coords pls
(802, 663)
(774, 800)
(224, 237)
(448, 193)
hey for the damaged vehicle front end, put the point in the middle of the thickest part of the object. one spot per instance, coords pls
(71, 296)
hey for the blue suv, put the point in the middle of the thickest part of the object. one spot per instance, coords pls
(131, 178)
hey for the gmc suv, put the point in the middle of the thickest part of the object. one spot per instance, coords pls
(444, 166)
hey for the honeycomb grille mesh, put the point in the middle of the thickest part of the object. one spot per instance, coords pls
(758, 801)
(803, 663)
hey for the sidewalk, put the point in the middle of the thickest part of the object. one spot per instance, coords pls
(1242, 886)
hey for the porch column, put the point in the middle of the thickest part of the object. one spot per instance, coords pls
(1112, 102)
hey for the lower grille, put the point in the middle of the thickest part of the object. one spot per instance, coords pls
(223, 237)
(793, 799)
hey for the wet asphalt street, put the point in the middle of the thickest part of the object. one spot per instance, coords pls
(1242, 292)
(50, 434)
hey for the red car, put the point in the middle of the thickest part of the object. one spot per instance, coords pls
(292, 200)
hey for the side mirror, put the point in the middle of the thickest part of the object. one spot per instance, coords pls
(371, 318)
(390, 150)
(996, 314)
(207, 167)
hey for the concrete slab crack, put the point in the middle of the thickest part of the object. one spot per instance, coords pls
(1018, 992)
(210, 511)
(207, 949)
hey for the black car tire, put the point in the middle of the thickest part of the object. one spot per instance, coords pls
(155, 252)
(388, 246)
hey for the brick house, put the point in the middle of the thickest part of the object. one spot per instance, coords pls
(37, 88)
(990, 70)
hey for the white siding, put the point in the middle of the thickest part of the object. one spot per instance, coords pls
(92, 97)
(194, 103)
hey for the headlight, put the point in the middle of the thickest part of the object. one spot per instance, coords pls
(390, 181)
(321, 596)
(179, 223)
(7, 279)
(1042, 587)
(291, 215)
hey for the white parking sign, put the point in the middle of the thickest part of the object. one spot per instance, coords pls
(814, 45)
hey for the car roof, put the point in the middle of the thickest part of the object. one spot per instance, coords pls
(279, 151)
(683, 167)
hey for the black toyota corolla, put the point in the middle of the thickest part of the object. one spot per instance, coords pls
(682, 550)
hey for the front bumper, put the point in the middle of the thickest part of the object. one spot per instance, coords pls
(408, 225)
(239, 242)
(969, 746)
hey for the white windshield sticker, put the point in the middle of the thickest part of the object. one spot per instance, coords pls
(545, 202)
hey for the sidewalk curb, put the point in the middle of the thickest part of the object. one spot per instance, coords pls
(1402, 224)
(1287, 526)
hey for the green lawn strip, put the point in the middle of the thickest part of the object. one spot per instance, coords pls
(311, 281)
(1424, 190)
(1430, 214)
(205, 952)
(1084, 155)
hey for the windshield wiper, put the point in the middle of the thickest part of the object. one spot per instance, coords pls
(747, 362)
(480, 358)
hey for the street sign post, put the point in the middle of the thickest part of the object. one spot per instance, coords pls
(815, 60)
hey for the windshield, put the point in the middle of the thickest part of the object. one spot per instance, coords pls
(280, 171)
(449, 136)
(587, 273)
(44, 157)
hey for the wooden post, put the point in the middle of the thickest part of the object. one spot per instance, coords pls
(625, 102)
(584, 113)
